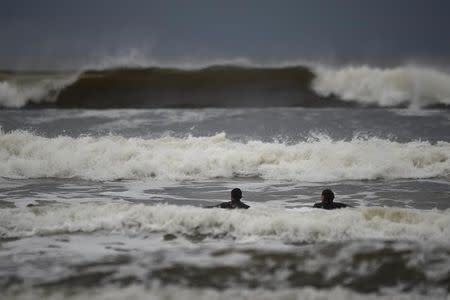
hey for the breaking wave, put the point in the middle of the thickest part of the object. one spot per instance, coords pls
(291, 226)
(319, 159)
(241, 85)
(414, 86)
(19, 92)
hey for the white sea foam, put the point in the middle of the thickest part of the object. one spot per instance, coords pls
(26, 155)
(257, 223)
(15, 94)
(177, 292)
(413, 85)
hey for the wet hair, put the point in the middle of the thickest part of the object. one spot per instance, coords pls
(236, 194)
(328, 195)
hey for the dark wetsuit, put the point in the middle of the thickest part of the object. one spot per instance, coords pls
(232, 205)
(332, 205)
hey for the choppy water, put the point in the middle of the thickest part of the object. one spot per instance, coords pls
(118, 194)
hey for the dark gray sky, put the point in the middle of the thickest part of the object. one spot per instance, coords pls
(48, 34)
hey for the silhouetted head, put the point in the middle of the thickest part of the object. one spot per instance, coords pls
(327, 196)
(236, 194)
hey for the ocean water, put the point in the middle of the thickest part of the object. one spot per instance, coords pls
(108, 204)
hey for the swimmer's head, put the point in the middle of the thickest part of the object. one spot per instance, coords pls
(327, 196)
(236, 194)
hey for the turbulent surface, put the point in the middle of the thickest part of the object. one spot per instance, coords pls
(289, 226)
(207, 294)
(108, 204)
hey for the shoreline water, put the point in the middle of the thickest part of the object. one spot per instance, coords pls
(125, 233)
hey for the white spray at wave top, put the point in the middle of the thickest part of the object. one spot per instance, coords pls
(415, 86)
(25, 155)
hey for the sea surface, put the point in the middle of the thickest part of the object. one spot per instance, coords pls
(109, 203)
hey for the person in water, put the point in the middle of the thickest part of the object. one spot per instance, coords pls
(327, 201)
(236, 196)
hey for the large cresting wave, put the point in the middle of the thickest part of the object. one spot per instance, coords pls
(228, 86)
(319, 159)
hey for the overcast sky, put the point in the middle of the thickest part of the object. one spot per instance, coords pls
(47, 34)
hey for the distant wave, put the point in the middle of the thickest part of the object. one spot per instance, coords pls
(26, 155)
(228, 86)
(280, 224)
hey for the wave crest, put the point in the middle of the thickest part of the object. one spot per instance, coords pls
(26, 155)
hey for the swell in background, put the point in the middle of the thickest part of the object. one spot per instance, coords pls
(235, 83)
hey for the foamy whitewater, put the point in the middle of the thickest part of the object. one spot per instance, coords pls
(114, 203)
(25, 155)
(292, 226)
(413, 85)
